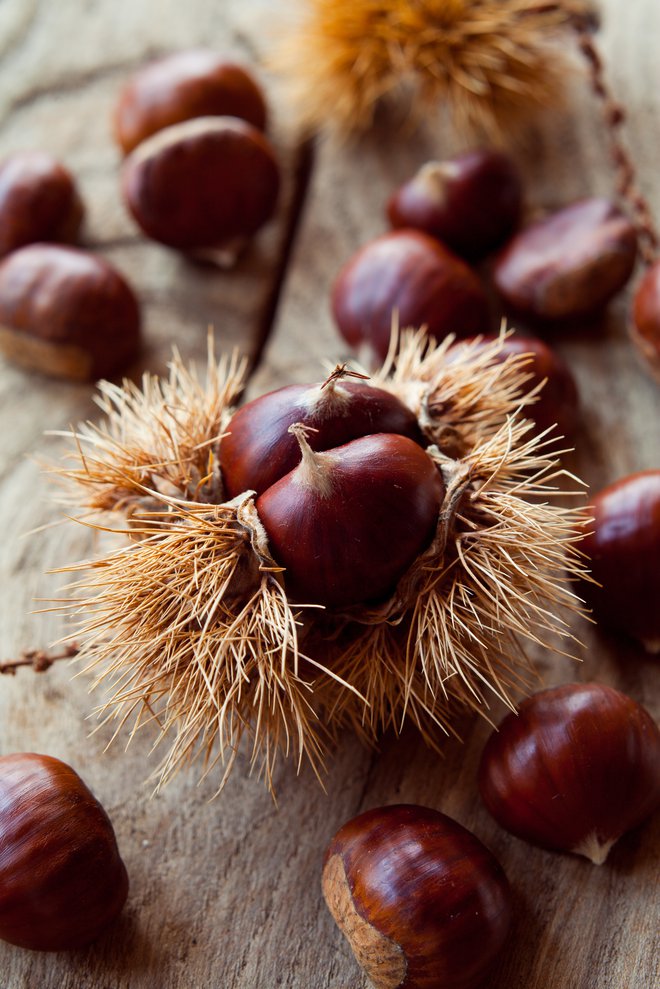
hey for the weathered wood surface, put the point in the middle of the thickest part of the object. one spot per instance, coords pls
(226, 894)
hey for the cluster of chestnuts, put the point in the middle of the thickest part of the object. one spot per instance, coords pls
(422, 902)
(199, 176)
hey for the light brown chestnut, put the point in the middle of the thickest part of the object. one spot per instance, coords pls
(203, 186)
(423, 904)
(623, 547)
(62, 881)
(558, 403)
(258, 448)
(568, 264)
(646, 316)
(66, 313)
(411, 274)
(575, 769)
(347, 522)
(472, 202)
(187, 84)
(38, 201)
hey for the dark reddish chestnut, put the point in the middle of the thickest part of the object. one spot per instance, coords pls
(411, 274)
(347, 523)
(38, 201)
(259, 449)
(575, 769)
(202, 186)
(181, 86)
(62, 881)
(646, 316)
(472, 202)
(423, 904)
(568, 264)
(66, 312)
(623, 547)
(558, 402)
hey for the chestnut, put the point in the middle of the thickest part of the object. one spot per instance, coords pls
(205, 185)
(38, 201)
(568, 264)
(558, 403)
(66, 313)
(472, 202)
(348, 522)
(178, 87)
(258, 448)
(423, 904)
(575, 769)
(411, 274)
(646, 316)
(62, 881)
(623, 547)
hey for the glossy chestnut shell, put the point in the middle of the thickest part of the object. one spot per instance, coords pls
(472, 202)
(258, 448)
(409, 274)
(646, 316)
(202, 184)
(38, 201)
(67, 313)
(348, 522)
(568, 264)
(423, 904)
(623, 546)
(181, 86)
(62, 881)
(575, 769)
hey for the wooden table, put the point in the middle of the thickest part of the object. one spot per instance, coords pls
(226, 893)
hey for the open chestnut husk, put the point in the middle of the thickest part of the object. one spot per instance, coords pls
(576, 768)
(422, 903)
(62, 881)
(181, 86)
(39, 201)
(472, 202)
(385, 577)
(622, 544)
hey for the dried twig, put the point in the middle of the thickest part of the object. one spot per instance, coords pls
(39, 659)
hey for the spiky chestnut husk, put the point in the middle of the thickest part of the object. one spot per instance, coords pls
(492, 64)
(189, 623)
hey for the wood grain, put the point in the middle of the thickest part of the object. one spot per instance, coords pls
(227, 894)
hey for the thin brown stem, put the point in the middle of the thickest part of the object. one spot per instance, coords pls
(39, 659)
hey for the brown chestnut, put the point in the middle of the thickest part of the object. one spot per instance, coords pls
(38, 201)
(187, 84)
(472, 202)
(348, 522)
(411, 274)
(62, 881)
(423, 904)
(646, 316)
(623, 546)
(202, 186)
(575, 769)
(557, 404)
(66, 313)
(568, 264)
(258, 448)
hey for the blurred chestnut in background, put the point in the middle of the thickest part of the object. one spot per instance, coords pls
(568, 264)
(646, 316)
(187, 84)
(62, 881)
(423, 904)
(203, 186)
(66, 313)
(575, 769)
(472, 202)
(411, 274)
(38, 201)
(623, 546)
